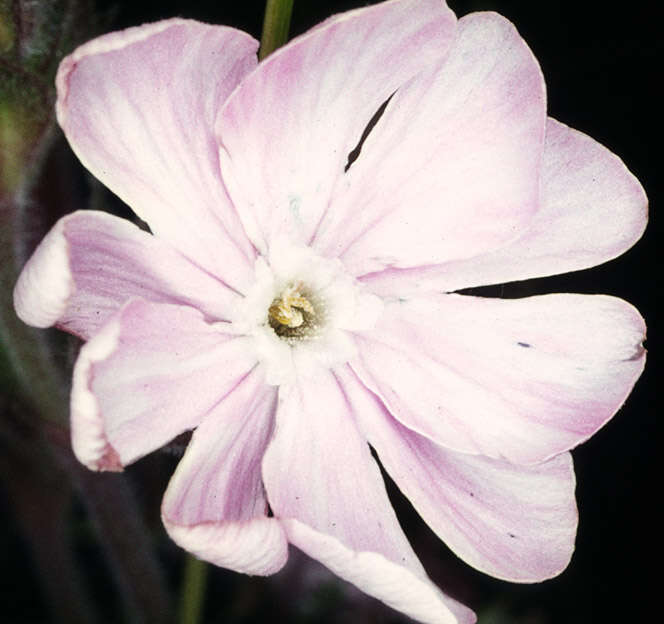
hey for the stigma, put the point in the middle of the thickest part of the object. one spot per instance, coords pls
(289, 309)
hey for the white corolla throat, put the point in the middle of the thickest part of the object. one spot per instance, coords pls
(300, 311)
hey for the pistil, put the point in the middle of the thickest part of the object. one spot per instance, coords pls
(291, 314)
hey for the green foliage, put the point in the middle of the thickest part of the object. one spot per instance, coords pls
(34, 36)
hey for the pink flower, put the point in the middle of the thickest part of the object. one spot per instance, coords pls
(290, 308)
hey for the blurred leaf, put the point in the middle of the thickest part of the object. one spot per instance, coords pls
(34, 36)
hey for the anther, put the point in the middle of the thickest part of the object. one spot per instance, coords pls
(290, 310)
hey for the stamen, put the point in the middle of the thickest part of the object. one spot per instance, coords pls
(290, 311)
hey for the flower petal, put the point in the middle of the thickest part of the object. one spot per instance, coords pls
(138, 108)
(452, 167)
(592, 209)
(521, 379)
(326, 489)
(151, 372)
(514, 522)
(287, 131)
(91, 263)
(215, 505)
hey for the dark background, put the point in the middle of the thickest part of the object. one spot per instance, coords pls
(601, 69)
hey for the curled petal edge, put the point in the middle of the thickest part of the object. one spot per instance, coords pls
(246, 547)
(35, 303)
(376, 575)
(89, 440)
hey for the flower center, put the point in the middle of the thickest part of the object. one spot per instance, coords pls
(293, 315)
(301, 311)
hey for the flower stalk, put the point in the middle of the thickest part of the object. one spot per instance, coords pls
(276, 24)
(193, 591)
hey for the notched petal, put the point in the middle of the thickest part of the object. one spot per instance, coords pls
(287, 129)
(354, 154)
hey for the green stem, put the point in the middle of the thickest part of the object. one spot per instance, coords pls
(275, 26)
(193, 591)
